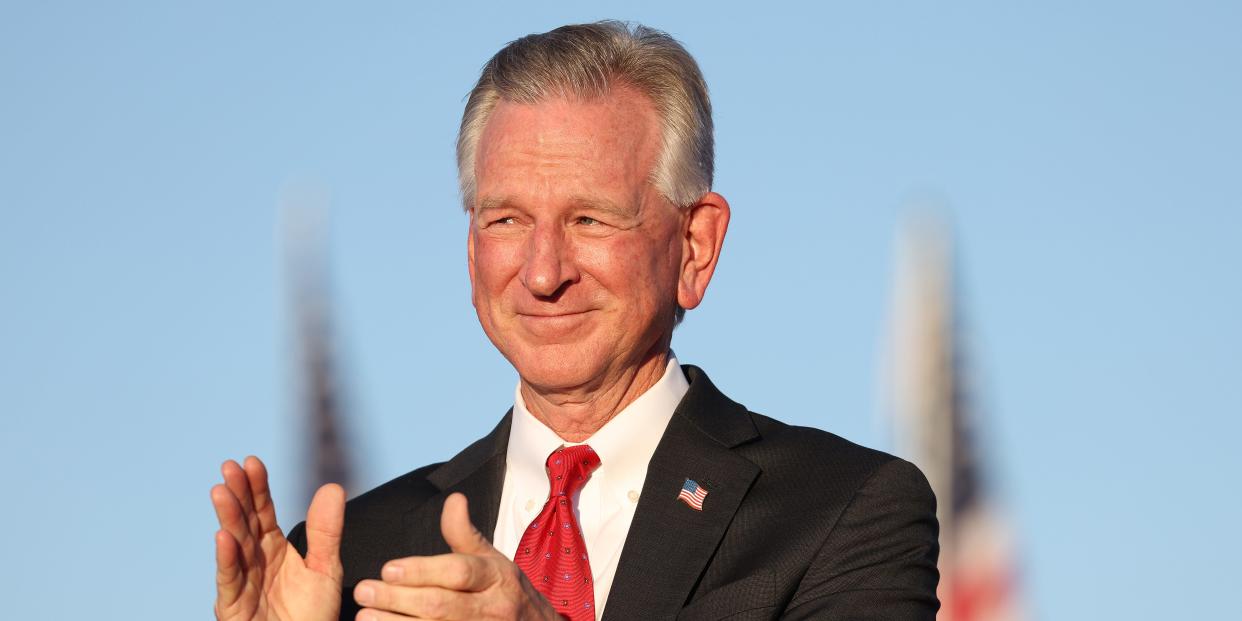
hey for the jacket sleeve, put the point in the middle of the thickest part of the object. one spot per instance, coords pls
(879, 561)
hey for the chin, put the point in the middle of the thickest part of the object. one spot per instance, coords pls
(556, 366)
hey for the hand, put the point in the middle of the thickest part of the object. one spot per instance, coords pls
(259, 575)
(474, 582)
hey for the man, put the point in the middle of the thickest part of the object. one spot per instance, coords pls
(620, 485)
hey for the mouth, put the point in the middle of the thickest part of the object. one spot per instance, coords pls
(545, 324)
(546, 315)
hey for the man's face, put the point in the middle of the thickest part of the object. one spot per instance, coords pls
(574, 255)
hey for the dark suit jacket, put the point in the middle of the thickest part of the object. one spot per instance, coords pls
(798, 523)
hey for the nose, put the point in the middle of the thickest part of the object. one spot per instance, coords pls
(549, 264)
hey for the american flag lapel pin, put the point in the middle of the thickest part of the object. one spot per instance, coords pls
(692, 494)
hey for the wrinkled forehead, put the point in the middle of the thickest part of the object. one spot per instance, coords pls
(613, 136)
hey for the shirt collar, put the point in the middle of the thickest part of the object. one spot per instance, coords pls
(624, 444)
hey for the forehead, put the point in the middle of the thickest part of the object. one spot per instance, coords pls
(569, 145)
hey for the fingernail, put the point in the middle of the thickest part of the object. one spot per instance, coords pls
(364, 594)
(393, 573)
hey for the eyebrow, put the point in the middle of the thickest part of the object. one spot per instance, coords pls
(603, 205)
(491, 203)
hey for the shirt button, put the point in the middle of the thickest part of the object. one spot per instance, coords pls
(633, 496)
(530, 505)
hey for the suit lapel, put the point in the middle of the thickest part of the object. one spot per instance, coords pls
(669, 543)
(479, 473)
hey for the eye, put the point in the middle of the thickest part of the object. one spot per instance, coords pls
(504, 220)
(588, 220)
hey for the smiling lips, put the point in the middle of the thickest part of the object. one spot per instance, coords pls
(552, 324)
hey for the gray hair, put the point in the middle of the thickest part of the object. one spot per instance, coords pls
(584, 61)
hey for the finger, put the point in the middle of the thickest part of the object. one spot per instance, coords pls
(229, 513)
(371, 614)
(237, 482)
(235, 478)
(461, 535)
(256, 475)
(325, 520)
(420, 602)
(228, 569)
(458, 572)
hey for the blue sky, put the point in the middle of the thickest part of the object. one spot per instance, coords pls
(1087, 157)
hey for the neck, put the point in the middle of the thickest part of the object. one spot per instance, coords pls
(577, 414)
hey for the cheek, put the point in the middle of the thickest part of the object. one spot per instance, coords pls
(641, 271)
(496, 263)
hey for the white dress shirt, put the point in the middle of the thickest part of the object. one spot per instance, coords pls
(605, 505)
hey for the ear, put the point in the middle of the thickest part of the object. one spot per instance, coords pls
(703, 232)
(470, 251)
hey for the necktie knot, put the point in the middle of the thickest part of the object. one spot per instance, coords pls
(569, 467)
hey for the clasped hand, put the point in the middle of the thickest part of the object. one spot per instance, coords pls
(261, 577)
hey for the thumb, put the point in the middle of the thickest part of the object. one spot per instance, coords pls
(459, 533)
(325, 519)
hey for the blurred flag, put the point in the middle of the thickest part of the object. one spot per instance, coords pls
(936, 428)
(325, 455)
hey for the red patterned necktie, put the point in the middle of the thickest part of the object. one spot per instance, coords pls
(552, 553)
